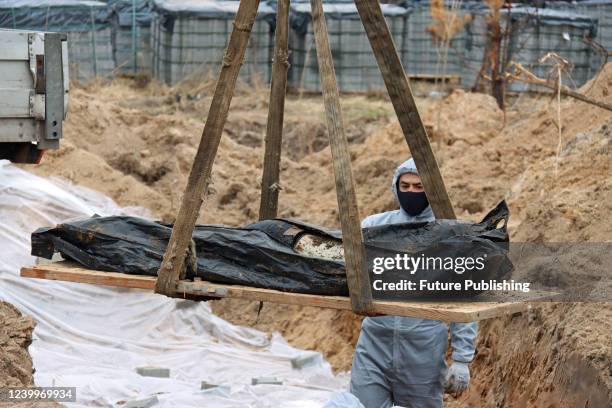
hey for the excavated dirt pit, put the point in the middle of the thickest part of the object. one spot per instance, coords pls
(136, 145)
(15, 337)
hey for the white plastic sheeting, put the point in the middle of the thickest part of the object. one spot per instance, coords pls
(93, 337)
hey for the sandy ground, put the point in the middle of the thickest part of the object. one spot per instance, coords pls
(15, 337)
(15, 363)
(135, 144)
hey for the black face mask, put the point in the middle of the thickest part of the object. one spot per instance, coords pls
(412, 203)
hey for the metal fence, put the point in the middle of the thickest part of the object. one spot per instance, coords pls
(189, 35)
(354, 63)
(170, 39)
(600, 10)
(542, 31)
(131, 22)
(424, 55)
(87, 24)
(533, 33)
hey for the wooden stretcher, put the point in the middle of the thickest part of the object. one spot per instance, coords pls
(400, 94)
(449, 312)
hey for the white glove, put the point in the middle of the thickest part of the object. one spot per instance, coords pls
(457, 377)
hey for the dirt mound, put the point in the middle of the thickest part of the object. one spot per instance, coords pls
(575, 174)
(15, 337)
(450, 115)
(136, 145)
(577, 205)
(541, 365)
(559, 355)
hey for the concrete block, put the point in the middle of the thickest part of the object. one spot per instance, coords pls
(207, 385)
(150, 371)
(142, 403)
(266, 380)
(221, 390)
(305, 360)
(185, 304)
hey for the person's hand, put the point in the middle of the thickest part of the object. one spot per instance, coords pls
(457, 378)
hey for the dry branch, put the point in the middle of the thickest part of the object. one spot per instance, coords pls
(526, 76)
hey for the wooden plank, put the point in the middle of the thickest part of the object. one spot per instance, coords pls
(268, 206)
(450, 79)
(69, 272)
(173, 264)
(449, 312)
(352, 240)
(405, 107)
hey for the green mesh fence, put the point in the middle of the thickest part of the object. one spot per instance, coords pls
(171, 39)
(132, 36)
(191, 37)
(354, 63)
(87, 24)
(533, 33)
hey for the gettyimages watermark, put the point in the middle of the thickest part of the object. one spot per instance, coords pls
(501, 272)
(458, 265)
(412, 263)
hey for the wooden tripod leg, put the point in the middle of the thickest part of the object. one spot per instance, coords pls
(268, 205)
(173, 264)
(400, 93)
(354, 254)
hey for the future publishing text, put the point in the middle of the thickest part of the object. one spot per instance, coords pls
(437, 286)
(405, 263)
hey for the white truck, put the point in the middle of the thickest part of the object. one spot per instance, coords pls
(34, 86)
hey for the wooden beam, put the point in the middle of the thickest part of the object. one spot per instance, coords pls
(449, 312)
(65, 271)
(352, 240)
(448, 79)
(268, 206)
(173, 264)
(405, 107)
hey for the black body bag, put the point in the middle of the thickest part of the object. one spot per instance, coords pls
(262, 254)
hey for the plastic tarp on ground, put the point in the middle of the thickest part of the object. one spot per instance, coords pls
(93, 337)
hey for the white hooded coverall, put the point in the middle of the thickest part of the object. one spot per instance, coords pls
(400, 360)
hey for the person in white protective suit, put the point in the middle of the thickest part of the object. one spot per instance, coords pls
(401, 360)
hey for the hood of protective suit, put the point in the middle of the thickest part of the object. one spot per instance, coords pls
(409, 167)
